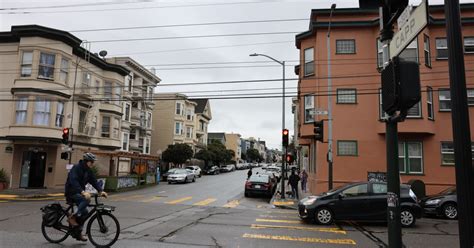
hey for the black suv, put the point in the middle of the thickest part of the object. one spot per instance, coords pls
(365, 201)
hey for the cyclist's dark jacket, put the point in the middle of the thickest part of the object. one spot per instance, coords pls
(78, 177)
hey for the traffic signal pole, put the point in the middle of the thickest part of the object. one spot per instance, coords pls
(460, 124)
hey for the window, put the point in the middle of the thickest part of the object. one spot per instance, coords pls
(189, 132)
(93, 127)
(178, 128)
(147, 146)
(107, 92)
(427, 50)
(410, 157)
(382, 114)
(133, 134)
(347, 148)
(21, 110)
(125, 141)
(64, 70)
(415, 111)
(46, 66)
(116, 128)
(105, 127)
(189, 114)
(441, 48)
(59, 114)
(429, 103)
(178, 108)
(308, 108)
(345, 47)
(358, 190)
(42, 112)
(346, 96)
(26, 64)
(379, 54)
(470, 97)
(82, 121)
(411, 51)
(148, 120)
(86, 82)
(127, 83)
(379, 188)
(447, 153)
(469, 44)
(97, 87)
(130, 82)
(126, 111)
(118, 93)
(444, 100)
(308, 61)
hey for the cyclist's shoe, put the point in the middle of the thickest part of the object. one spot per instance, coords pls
(72, 220)
(81, 237)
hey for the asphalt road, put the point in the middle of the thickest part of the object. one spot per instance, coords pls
(213, 212)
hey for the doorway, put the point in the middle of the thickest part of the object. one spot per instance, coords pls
(33, 169)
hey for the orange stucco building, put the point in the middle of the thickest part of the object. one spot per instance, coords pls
(425, 138)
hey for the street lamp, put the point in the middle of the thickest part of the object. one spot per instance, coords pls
(282, 63)
(329, 157)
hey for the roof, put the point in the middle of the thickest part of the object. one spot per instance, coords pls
(201, 105)
(216, 135)
(17, 32)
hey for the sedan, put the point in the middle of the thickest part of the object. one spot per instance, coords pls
(365, 201)
(442, 204)
(211, 170)
(195, 169)
(170, 171)
(259, 185)
(181, 176)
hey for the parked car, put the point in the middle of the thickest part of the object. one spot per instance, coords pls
(259, 185)
(240, 166)
(365, 201)
(181, 176)
(227, 168)
(195, 169)
(211, 170)
(170, 171)
(272, 175)
(442, 204)
(274, 169)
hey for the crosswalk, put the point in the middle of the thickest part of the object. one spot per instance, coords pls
(187, 200)
(281, 226)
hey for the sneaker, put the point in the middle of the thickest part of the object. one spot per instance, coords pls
(81, 237)
(72, 220)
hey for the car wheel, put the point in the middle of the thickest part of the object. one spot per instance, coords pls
(324, 216)
(450, 211)
(194, 179)
(169, 182)
(407, 217)
(246, 194)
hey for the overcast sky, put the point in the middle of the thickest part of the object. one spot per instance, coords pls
(176, 59)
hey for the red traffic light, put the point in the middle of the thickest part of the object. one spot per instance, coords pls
(285, 131)
(66, 131)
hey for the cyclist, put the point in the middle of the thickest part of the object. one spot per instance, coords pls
(78, 177)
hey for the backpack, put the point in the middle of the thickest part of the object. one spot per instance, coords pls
(51, 214)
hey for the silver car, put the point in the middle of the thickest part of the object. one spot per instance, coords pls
(195, 169)
(181, 176)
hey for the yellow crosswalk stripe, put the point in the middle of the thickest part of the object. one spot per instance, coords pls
(303, 228)
(3, 201)
(279, 221)
(205, 202)
(232, 204)
(154, 198)
(300, 239)
(8, 196)
(126, 198)
(179, 200)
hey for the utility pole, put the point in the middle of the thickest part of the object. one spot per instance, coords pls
(330, 155)
(460, 124)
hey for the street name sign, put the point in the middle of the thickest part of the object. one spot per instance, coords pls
(415, 23)
(319, 112)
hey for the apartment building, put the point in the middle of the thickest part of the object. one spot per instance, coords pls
(425, 138)
(232, 142)
(176, 122)
(54, 83)
(217, 137)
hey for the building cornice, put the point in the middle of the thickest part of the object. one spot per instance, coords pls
(36, 90)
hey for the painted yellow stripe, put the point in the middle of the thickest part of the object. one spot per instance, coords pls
(279, 221)
(281, 216)
(56, 194)
(179, 200)
(205, 202)
(301, 239)
(303, 228)
(154, 198)
(285, 203)
(40, 199)
(232, 204)
(126, 198)
(281, 212)
(8, 196)
(3, 201)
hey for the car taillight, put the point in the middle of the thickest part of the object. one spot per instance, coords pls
(248, 184)
(267, 185)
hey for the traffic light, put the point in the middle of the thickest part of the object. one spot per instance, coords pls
(65, 155)
(319, 130)
(65, 136)
(285, 137)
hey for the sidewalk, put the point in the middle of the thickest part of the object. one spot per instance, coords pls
(289, 202)
(18, 194)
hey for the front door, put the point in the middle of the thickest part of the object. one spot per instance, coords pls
(33, 169)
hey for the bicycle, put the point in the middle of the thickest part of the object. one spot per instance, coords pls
(102, 226)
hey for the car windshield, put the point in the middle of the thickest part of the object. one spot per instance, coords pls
(259, 179)
(448, 191)
(335, 189)
(190, 168)
(180, 171)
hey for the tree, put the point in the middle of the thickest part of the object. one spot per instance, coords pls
(243, 156)
(205, 155)
(253, 155)
(177, 154)
(219, 152)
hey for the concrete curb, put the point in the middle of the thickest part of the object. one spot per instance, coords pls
(277, 202)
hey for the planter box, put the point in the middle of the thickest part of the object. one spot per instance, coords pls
(122, 182)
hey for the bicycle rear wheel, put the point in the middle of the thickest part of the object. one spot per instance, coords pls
(103, 230)
(58, 232)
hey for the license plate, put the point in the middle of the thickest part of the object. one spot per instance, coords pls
(257, 186)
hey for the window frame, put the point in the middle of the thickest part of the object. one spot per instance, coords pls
(105, 127)
(81, 125)
(420, 114)
(26, 65)
(64, 72)
(406, 158)
(117, 93)
(379, 46)
(427, 53)
(464, 45)
(86, 82)
(356, 154)
(430, 104)
(116, 128)
(125, 134)
(346, 89)
(46, 112)
(19, 101)
(470, 97)
(127, 113)
(179, 129)
(40, 76)
(108, 91)
(308, 63)
(178, 108)
(189, 132)
(414, 41)
(441, 48)
(446, 152)
(444, 100)
(308, 107)
(59, 116)
(345, 40)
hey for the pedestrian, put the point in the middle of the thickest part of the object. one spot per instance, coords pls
(75, 187)
(293, 181)
(249, 174)
(304, 180)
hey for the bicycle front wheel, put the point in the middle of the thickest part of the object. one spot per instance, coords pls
(103, 230)
(56, 233)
